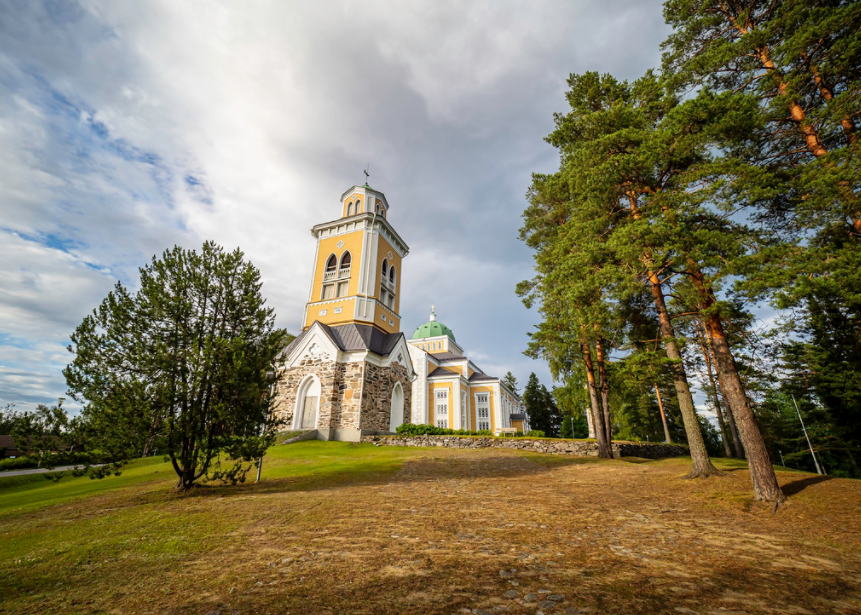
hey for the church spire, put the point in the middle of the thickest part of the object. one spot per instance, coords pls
(432, 314)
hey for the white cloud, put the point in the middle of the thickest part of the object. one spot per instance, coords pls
(128, 127)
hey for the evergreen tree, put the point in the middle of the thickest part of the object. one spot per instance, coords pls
(541, 408)
(572, 401)
(799, 61)
(511, 382)
(184, 360)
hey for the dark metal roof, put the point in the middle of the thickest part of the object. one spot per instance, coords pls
(447, 356)
(477, 377)
(516, 417)
(7, 442)
(364, 337)
(441, 371)
(352, 337)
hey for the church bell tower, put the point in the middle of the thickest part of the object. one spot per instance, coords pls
(357, 268)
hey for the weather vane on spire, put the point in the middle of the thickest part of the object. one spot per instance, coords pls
(367, 175)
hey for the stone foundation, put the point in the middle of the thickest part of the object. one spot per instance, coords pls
(582, 448)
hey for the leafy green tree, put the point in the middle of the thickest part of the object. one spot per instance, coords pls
(9, 418)
(185, 360)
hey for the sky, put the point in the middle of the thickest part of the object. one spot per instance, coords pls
(129, 127)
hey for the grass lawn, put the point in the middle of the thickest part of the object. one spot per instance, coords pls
(344, 528)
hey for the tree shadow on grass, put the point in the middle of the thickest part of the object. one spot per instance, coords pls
(379, 472)
(801, 484)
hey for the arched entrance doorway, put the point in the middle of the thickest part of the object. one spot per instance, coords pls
(307, 404)
(396, 418)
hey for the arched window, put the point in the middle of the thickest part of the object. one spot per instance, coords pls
(346, 259)
(387, 295)
(396, 417)
(392, 275)
(329, 276)
(307, 404)
(350, 208)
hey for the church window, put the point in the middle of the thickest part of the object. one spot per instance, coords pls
(442, 408)
(343, 288)
(385, 267)
(392, 275)
(384, 297)
(337, 310)
(482, 411)
(346, 260)
(329, 275)
(350, 208)
(383, 317)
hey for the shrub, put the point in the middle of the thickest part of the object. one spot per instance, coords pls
(408, 429)
(535, 433)
(47, 461)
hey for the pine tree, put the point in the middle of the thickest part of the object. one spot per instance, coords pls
(511, 382)
(184, 359)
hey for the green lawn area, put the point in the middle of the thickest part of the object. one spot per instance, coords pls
(312, 461)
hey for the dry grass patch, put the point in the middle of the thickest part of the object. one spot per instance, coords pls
(337, 528)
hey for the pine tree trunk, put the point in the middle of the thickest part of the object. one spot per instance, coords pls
(765, 486)
(808, 131)
(733, 428)
(708, 359)
(604, 450)
(667, 437)
(846, 122)
(605, 391)
(701, 465)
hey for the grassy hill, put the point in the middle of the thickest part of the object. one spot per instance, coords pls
(341, 528)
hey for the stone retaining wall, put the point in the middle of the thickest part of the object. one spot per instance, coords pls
(553, 445)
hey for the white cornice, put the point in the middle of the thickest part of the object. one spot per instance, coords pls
(352, 224)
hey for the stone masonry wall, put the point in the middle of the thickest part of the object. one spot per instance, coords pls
(287, 386)
(377, 396)
(553, 446)
(340, 391)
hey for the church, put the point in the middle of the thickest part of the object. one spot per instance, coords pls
(351, 371)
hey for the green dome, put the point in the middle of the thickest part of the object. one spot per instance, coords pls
(433, 328)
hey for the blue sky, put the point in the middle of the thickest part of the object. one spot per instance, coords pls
(128, 127)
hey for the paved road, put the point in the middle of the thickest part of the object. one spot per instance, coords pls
(36, 471)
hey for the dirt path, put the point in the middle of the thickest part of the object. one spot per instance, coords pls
(494, 531)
